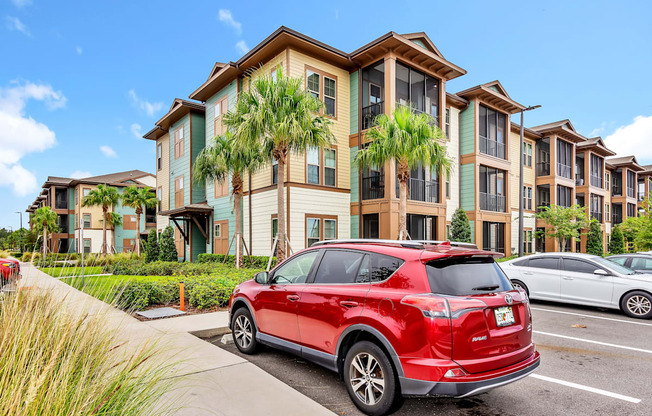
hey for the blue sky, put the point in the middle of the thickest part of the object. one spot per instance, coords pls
(81, 81)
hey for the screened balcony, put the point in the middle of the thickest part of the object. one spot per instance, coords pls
(420, 190)
(373, 93)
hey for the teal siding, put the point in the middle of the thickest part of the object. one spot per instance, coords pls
(232, 91)
(418, 42)
(180, 166)
(198, 143)
(198, 243)
(355, 226)
(473, 231)
(467, 130)
(467, 187)
(120, 232)
(493, 87)
(355, 188)
(354, 102)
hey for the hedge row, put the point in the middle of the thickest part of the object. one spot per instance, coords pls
(90, 259)
(160, 268)
(253, 261)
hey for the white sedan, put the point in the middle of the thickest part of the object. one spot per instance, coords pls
(582, 279)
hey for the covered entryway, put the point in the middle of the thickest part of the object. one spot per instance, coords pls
(192, 224)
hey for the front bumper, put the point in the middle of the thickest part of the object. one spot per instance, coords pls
(414, 387)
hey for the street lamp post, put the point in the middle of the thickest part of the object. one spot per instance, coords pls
(520, 184)
(22, 238)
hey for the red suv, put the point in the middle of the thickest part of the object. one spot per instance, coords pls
(393, 318)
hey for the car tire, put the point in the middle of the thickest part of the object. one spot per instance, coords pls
(517, 283)
(637, 304)
(371, 380)
(244, 331)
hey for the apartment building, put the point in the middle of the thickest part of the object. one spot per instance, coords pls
(64, 196)
(329, 197)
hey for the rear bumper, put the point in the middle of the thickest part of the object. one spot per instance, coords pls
(480, 384)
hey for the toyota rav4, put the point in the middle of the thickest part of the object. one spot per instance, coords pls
(392, 318)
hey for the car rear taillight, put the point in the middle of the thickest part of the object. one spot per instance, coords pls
(456, 372)
(434, 306)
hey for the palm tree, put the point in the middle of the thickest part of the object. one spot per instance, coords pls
(411, 140)
(223, 158)
(115, 220)
(139, 198)
(279, 116)
(106, 197)
(44, 220)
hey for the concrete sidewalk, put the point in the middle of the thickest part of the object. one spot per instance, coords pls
(215, 382)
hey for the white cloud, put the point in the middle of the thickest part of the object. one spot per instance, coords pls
(108, 152)
(241, 47)
(136, 130)
(79, 50)
(14, 23)
(78, 174)
(225, 16)
(21, 134)
(633, 139)
(21, 3)
(148, 107)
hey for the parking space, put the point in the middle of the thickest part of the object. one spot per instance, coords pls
(593, 362)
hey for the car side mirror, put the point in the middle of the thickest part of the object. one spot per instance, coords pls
(261, 278)
(600, 272)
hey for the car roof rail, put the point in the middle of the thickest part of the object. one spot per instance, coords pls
(401, 243)
(452, 243)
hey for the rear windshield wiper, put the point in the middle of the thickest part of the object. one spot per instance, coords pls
(493, 287)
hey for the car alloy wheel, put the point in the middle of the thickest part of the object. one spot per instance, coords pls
(367, 378)
(639, 305)
(243, 331)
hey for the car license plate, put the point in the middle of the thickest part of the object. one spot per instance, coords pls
(504, 316)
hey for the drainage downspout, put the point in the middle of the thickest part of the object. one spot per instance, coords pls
(359, 147)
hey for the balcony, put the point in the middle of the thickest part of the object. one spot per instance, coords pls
(492, 147)
(631, 193)
(543, 168)
(596, 181)
(597, 216)
(420, 190)
(369, 114)
(616, 190)
(564, 170)
(616, 219)
(579, 180)
(373, 187)
(492, 202)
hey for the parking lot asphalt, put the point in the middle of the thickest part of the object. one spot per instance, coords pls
(594, 361)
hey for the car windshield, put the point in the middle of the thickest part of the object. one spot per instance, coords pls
(614, 266)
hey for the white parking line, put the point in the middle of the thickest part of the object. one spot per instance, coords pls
(586, 388)
(590, 316)
(590, 341)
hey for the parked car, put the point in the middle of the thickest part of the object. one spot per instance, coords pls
(392, 318)
(641, 262)
(582, 279)
(9, 270)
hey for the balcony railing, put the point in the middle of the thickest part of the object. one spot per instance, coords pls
(369, 114)
(420, 190)
(373, 187)
(631, 193)
(564, 170)
(492, 202)
(492, 147)
(543, 168)
(597, 216)
(616, 219)
(596, 181)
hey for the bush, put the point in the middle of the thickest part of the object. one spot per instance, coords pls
(151, 248)
(594, 239)
(137, 295)
(617, 242)
(167, 248)
(256, 261)
(460, 227)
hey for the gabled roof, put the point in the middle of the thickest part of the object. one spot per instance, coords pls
(624, 161)
(216, 67)
(492, 93)
(562, 128)
(117, 177)
(178, 109)
(596, 145)
(456, 101)
(424, 39)
(529, 133)
(647, 170)
(155, 133)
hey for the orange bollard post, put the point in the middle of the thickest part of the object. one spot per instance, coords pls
(181, 296)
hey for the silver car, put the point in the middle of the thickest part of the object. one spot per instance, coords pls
(582, 279)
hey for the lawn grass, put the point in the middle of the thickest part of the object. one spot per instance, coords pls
(72, 271)
(104, 287)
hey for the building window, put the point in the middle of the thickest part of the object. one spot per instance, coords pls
(564, 196)
(316, 160)
(493, 236)
(447, 125)
(312, 160)
(595, 207)
(418, 90)
(527, 198)
(631, 184)
(312, 83)
(329, 96)
(323, 87)
(86, 191)
(218, 231)
(87, 245)
(607, 181)
(274, 229)
(178, 192)
(87, 220)
(492, 189)
(219, 110)
(631, 210)
(606, 212)
(448, 231)
(370, 226)
(492, 132)
(178, 142)
(527, 241)
(330, 164)
(320, 228)
(159, 156)
(159, 196)
(448, 184)
(274, 171)
(564, 159)
(527, 154)
(596, 169)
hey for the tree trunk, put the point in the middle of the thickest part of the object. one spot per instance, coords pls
(105, 211)
(236, 182)
(138, 212)
(279, 155)
(45, 241)
(402, 175)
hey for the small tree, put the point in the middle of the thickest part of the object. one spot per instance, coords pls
(151, 248)
(594, 239)
(460, 227)
(106, 197)
(617, 243)
(564, 223)
(632, 227)
(44, 220)
(167, 248)
(643, 237)
(140, 199)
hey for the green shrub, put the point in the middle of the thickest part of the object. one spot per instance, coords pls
(151, 248)
(256, 261)
(460, 227)
(137, 295)
(167, 248)
(594, 239)
(617, 242)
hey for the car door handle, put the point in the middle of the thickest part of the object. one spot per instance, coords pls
(568, 278)
(293, 298)
(349, 303)
(528, 273)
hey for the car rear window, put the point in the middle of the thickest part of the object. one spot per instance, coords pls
(462, 276)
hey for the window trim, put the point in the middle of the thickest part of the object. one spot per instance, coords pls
(159, 157)
(321, 218)
(322, 167)
(179, 142)
(90, 245)
(90, 220)
(322, 74)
